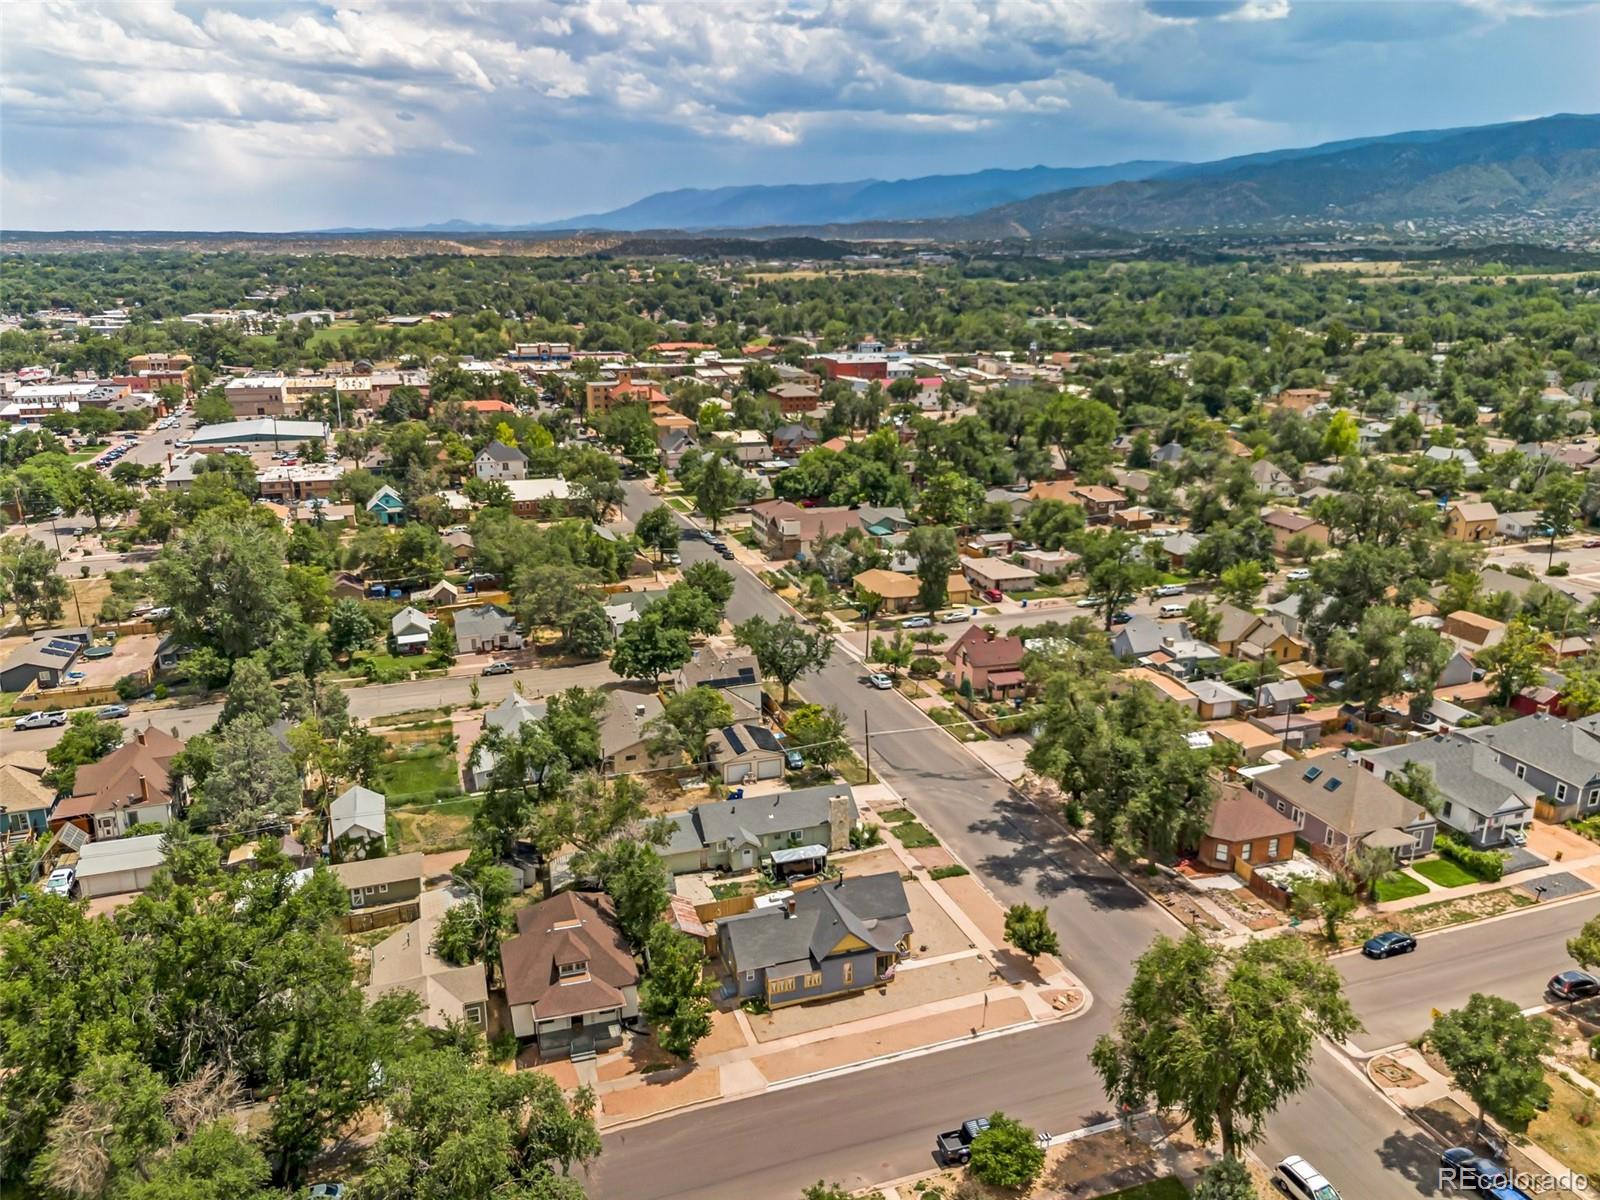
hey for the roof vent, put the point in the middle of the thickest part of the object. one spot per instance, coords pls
(638, 710)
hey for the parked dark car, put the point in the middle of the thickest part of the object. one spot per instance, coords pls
(955, 1147)
(1471, 1172)
(1573, 985)
(1390, 943)
(794, 759)
(1121, 618)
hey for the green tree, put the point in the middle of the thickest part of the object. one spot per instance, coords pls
(28, 580)
(658, 530)
(934, 547)
(784, 648)
(252, 778)
(717, 488)
(675, 994)
(686, 721)
(349, 628)
(645, 649)
(1028, 929)
(1515, 662)
(1585, 948)
(1115, 568)
(1007, 1154)
(1341, 436)
(87, 739)
(458, 1128)
(225, 583)
(102, 497)
(442, 644)
(1493, 1051)
(472, 928)
(1191, 1026)
(950, 498)
(635, 878)
(818, 733)
(710, 580)
(1560, 498)
(1415, 782)
(1331, 900)
(529, 776)
(251, 695)
(1241, 583)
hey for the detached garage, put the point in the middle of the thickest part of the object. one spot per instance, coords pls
(115, 867)
(744, 753)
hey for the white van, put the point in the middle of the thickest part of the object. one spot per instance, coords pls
(1296, 1177)
(1174, 610)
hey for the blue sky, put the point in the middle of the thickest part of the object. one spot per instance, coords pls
(283, 115)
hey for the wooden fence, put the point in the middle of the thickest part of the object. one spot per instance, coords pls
(1261, 886)
(359, 920)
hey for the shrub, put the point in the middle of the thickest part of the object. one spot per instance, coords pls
(130, 687)
(1007, 1155)
(1487, 865)
(864, 835)
(503, 1048)
(924, 666)
(1559, 568)
(161, 691)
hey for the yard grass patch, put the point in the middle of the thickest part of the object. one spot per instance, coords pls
(422, 772)
(434, 828)
(1558, 1130)
(952, 871)
(896, 816)
(914, 835)
(1445, 873)
(1397, 885)
(1170, 1188)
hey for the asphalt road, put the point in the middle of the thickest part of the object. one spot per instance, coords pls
(877, 1124)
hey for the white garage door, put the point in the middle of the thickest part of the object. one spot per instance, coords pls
(735, 772)
(769, 769)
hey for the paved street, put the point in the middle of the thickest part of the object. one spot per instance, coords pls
(878, 1124)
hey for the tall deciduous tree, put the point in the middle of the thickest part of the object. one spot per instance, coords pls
(1115, 567)
(1560, 498)
(717, 488)
(1493, 1051)
(658, 530)
(818, 733)
(635, 878)
(1192, 1025)
(645, 649)
(686, 721)
(1515, 662)
(784, 648)
(1028, 929)
(934, 547)
(675, 994)
(252, 778)
(1585, 948)
(28, 580)
(224, 581)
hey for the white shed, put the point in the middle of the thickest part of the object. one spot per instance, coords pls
(123, 865)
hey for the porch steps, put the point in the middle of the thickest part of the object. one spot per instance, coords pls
(578, 1056)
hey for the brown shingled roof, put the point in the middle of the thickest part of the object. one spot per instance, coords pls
(554, 931)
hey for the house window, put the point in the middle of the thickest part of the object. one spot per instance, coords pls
(774, 986)
(814, 980)
(383, 887)
(474, 1014)
(1222, 852)
(749, 976)
(1327, 838)
(1561, 791)
(1446, 808)
(1244, 851)
(569, 970)
(1522, 771)
(849, 972)
(1272, 848)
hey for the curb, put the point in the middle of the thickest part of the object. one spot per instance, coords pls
(1592, 894)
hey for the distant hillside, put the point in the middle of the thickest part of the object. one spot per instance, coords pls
(839, 203)
(1551, 165)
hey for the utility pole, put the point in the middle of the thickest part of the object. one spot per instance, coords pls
(866, 721)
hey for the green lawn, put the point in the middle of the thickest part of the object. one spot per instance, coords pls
(1397, 885)
(1170, 1188)
(1444, 872)
(896, 816)
(421, 773)
(913, 835)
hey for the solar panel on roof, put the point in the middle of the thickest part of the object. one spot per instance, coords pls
(733, 740)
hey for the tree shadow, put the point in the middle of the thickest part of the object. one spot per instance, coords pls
(1413, 1155)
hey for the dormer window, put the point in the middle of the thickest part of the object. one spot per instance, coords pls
(572, 970)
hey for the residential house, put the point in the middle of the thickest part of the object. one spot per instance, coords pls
(386, 506)
(1483, 800)
(1460, 669)
(1559, 758)
(131, 786)
(1286, 526)
(571, 979)
(795, 399)
(500, 461)
(1178, 547)
(998, 575)
(1280, 697)
(1245, 828)
(785, 530)
(25, 801)
(833, 940)
(741, 835)
(985, 662)
(623, 741)
(1168, 454)
(1269, 637)
(791, 441)
(1460, 454)
(536, 499)
(405, 962)
(1142, 635)
(674, 443)
(744, 446)
(507, 718)
(899, 590)
(1287, 613)
(1056, 563)
(119, 866)
(1271, 478)
(42, 660)
(1337, 806)
(1234, 625)
(384, 882)
(883, 521)
(727, 667)
(1473, 521)
(1184, 657)
(745, 752)
(1475, 629)
(461, 546)
(1170, 689)
(990, 545)
(1099, 502)
(1519, 526)
(410, 629)
(485, 628)
(1304, 401)
(1134, 520)
(357, 823)
(1217, 701)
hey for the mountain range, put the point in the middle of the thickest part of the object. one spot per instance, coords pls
(1543, 168)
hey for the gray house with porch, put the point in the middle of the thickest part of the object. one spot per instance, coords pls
(1559, 758)
(1482, 800)
(739, 835)
(831, 940)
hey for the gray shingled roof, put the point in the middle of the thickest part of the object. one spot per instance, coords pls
(747, 819)
(1466, 772)
(872, 907)
(1561, 748)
